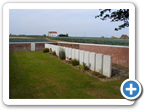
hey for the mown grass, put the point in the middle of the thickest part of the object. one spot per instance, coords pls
(35, 75)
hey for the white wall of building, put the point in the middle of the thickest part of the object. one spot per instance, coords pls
(52, 34)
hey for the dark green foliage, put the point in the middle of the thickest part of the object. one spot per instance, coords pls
(101, 76)
(75, 62)
(63, 35)
(53, 53)
(96, 73)
(62, 54)
(45, 50)
(86, 67)
(119, 15)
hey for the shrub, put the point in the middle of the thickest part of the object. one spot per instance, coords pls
(75, 62)
(62, 54)
(80, 67)
(45, 50)
(53, 53)
(96, 73)
(86, 67)
(101, 76)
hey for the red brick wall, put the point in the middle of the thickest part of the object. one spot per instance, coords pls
(19, 47)
(120, 55)
(52, 43)
(16, 47)
(75, 46)
(39, 46)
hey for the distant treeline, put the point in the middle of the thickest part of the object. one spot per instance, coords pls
(63, 35)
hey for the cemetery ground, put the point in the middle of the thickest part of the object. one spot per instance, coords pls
(36, 75)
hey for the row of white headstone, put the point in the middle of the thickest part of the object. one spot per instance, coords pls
(99, 62)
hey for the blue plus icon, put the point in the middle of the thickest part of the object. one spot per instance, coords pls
(130, 89)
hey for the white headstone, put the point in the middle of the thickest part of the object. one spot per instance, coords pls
(46, 45)
(64, 48)
(99, 63)
(86, 57)
(73, 53)
(32, 46)
(92, 60)
(50, 46)
(70, 52)
(57, 50)
(61, 48)
(107, 65)
(81, 57)
(54, 47)
(77, 54)
(67, 53)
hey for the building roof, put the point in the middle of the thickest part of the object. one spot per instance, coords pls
(124, 36)
(52, 32)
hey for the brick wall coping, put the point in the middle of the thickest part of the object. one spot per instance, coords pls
(95, 44)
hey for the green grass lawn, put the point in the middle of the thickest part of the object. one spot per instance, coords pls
(35, 75)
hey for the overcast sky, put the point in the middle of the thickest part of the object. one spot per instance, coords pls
(74, 22)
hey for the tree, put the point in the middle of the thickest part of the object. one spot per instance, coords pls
(66, 35)
(119, 15)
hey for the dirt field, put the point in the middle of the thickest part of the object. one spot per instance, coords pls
(22, 37)
(59, 40)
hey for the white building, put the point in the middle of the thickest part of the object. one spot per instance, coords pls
(52, 34)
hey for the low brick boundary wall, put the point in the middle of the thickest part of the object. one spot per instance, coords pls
(39, 46)
(75, 46)
(17, 47)
(120, 54)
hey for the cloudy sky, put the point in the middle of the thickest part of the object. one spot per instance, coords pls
(75, 22)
